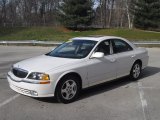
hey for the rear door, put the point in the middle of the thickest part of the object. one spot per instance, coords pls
(125, 56)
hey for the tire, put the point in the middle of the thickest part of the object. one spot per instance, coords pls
(68, 89)
(136, 71)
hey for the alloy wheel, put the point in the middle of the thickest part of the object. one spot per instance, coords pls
(69, 89)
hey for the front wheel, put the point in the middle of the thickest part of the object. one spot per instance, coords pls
(68, 89)
(135, 71)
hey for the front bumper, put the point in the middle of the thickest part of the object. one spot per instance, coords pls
(30, 89)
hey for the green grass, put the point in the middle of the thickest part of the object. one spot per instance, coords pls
(62, 34)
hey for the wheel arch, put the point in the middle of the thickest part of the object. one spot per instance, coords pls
(138, 61)
(71, 73)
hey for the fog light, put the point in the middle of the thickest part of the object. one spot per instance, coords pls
(34, 93)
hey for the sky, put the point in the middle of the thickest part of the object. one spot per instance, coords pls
(96, 3)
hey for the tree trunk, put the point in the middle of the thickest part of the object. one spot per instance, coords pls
(110, 13)
(101, 14)
(105, 13)
(128, 15)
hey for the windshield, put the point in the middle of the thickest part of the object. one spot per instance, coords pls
(73, 49)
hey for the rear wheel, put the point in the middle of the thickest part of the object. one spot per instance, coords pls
(68, 89)
(135, 71)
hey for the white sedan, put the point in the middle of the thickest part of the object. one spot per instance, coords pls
(79, 63)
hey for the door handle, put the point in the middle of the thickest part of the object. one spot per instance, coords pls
(133, 56)
(113, 60)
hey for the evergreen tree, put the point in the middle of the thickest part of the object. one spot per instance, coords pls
(146, 14)
(76, 13)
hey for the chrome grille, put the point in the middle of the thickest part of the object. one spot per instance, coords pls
(19, 72)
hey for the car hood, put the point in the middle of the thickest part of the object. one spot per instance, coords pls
(44, 63)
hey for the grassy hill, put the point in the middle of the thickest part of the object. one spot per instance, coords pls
(62, 34)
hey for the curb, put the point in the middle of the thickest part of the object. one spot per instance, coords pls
(147, 43)
(49, 43)
(30, 43)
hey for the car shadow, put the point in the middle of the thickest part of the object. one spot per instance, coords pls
(107, 86)
(113, 84)
(47, 99)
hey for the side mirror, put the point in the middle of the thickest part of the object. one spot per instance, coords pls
(97, 55)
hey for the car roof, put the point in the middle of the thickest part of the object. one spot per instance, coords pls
(100, 38)
(97, 38)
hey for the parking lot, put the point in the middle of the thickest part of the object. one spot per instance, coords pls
(120, 99)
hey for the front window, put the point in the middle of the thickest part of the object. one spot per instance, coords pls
(73, 49)
(104, 47)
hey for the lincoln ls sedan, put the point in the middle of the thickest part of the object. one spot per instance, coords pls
(78, 63)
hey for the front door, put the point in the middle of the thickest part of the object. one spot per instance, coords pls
(102, 69)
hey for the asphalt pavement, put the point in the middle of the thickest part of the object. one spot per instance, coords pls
(120, 99)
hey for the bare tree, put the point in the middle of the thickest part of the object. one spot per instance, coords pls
(109, 13)
(127, 4)
(3, 4)
(111, 4)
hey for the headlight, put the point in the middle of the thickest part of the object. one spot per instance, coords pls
(38, 76)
